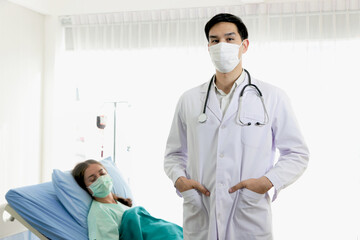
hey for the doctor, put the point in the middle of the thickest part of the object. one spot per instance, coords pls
(221, 147)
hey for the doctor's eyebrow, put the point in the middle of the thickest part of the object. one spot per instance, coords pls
(229, 34)
(226, 35)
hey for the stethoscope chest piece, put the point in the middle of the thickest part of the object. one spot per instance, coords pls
(202, 118)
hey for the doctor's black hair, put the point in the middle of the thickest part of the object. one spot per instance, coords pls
(227, 17)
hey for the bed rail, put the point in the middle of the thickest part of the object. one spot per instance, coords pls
(8, 225)
(14, 223)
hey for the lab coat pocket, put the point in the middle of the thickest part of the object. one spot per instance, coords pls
(188, 193)
(253, 215)
(249, 198)
(253, 135)
(195, 216)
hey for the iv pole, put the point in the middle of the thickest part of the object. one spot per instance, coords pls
(115, 106)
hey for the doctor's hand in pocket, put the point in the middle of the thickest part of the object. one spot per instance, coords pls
(258, 185)
(183, 184)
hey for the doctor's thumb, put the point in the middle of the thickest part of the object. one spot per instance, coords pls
(237, 187)
(203, 190)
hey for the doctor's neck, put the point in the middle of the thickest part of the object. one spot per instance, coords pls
(225, 81)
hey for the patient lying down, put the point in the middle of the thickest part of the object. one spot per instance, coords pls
(111, 216)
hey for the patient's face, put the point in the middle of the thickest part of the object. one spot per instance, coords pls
(92, 173)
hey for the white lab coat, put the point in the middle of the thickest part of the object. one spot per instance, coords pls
(220, 153)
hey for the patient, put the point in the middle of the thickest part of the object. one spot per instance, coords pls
(111, 216)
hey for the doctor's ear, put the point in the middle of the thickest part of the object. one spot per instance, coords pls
(245, 46)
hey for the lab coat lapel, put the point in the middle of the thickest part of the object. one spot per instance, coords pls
(213, 103)
(234, 103)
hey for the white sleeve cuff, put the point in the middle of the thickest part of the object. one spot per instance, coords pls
(276, 183)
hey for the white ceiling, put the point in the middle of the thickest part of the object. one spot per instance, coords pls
(70, 7)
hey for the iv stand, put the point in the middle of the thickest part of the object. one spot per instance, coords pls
(115, 106)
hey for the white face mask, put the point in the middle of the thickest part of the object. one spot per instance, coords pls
(225, 56)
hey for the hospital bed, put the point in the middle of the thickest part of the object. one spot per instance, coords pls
(58, 209)
(9, 226)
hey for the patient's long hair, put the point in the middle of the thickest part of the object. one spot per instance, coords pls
(79, 172)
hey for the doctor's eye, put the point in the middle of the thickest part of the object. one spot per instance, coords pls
(214, 41)
(230, 39)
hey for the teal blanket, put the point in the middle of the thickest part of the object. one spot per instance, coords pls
(138, 224)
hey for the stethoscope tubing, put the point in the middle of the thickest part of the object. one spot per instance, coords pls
(207, 93)
(249, 85)
(203, 116)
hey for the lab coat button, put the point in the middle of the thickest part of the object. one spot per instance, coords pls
(223, 127)
(221, 155)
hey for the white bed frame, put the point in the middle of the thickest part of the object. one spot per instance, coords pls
(15, 223)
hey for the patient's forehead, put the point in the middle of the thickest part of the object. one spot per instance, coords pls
(93, 169)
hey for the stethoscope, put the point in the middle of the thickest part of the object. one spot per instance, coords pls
(203, 117)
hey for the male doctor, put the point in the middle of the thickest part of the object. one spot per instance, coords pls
(223, 169)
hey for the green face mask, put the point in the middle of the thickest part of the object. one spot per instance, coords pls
(102, 186)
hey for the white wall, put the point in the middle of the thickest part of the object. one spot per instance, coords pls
(21, 70)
